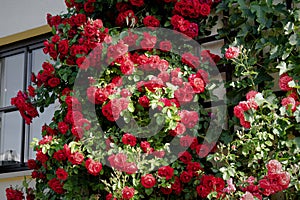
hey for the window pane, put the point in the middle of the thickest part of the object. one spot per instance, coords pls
(12, 77)
(38, 57)
(11, 134)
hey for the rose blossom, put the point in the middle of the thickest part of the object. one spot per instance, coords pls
(166, 172)
(274, 166)
(148, 181)
(129, 139)
(247, 196)
(289, 102)
(186, 176)
(144, 101)
(56, 186)
(151, 21)
(93, 167)
(232, 52)
(12, 194)
(127, 192)
(165, 46)
(284, 82)
(76, 158)
(61, 174)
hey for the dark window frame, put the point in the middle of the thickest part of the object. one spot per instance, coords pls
(26, 47)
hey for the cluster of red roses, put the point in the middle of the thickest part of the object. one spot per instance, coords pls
(125, 15)
(275, 181)
(210, 183)
(292, 100)
(244, 106)
(81, 40)
(14, 194)
(26, 109)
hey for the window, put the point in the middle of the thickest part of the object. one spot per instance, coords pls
(17, 61)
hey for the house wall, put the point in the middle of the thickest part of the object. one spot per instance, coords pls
(18, 15)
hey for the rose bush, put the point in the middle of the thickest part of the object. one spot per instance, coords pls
(131, 122)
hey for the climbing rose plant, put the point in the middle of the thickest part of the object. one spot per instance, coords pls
(131, 122)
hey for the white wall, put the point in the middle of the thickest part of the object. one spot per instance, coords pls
(21, 15)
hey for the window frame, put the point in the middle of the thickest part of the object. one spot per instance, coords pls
(26, 47)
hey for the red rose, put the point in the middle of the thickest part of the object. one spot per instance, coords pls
(60, 155)
(151, 21)
(148, 181)
(192, 30)
(48, 68)
(122, 6)
(189, 118)
(158, 154)
(31, 110)
(144, 101)
(194, 167)
(244, 123)
(63, 47)
(148, 42)
(284, 82)
(131, 39)
(165, 46)
(179, 23)
(185, 157)
(186, 141)
(129, 139)
(31, 91)
(63, 127)
(117, 80)
(110, 197)
(204, 9)
(93, 167)
(89, 7)
(61, 174)
(284, 180)
(274, 166)
(56, 186)
(83, 63)
(45, 140)
(127, 67)
(179, 130)
(232, 52)
(197, 83)
(166, 191)
(137, 3)
(146, 147)
(12, 194)
(177, 186)
(186, 177)
(203, 191)
(41, 157)
(53, 82)
(202, 150)
(32, 164)
(76, 158)
(130, 168)
(127, 192)
(118, 161)
(251, 94)
(79, 19)
(166, 172)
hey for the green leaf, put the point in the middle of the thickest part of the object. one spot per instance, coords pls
(293, 39)
(297, 141)
(282, 68)
(131, 107)
(148, 191)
